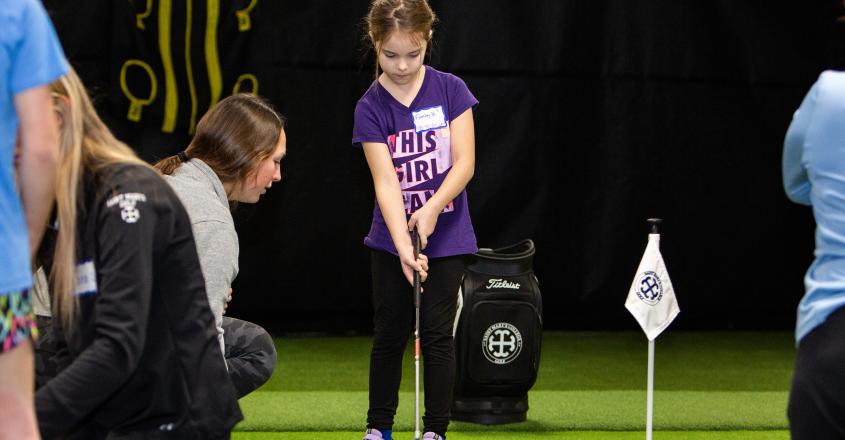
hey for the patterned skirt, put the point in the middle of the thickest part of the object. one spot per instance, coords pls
(17, 320)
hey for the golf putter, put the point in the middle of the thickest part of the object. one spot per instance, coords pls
(417, 289)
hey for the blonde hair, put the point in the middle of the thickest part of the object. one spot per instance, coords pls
(386, 16)
(85, 144)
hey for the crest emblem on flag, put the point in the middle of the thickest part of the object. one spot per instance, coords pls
(650, 289)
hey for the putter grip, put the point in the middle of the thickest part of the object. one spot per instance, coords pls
(415, 238)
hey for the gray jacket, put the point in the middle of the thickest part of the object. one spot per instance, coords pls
(202, 193)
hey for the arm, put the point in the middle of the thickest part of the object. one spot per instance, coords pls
(796, 183)
(51, 353)
(16, 418)
(389, 197)
(39, 61)
(39, 153)
(217, 247)
(462, 132)
(124, 267)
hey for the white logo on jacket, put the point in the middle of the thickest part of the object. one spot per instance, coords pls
(127, 201)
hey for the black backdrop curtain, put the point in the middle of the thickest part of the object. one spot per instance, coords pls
(594, 116)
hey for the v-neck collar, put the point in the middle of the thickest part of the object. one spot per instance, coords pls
(413, 104)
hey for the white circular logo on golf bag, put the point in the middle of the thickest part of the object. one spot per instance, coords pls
(649, 288)
(502, 343)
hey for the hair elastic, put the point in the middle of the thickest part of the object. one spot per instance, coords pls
(183, 156)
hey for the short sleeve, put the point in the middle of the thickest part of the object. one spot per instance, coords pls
(460, 98)
(38, 58)
(367, 127)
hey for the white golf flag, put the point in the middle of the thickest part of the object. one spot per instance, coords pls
(652, 299)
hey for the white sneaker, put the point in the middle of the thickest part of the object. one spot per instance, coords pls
(372, 434)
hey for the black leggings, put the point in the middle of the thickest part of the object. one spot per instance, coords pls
(250, 354)
(817, 398)
(393, 301)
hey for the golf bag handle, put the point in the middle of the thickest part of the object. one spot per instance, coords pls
(515, 259)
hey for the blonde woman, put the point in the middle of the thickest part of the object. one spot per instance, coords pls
(129, 302)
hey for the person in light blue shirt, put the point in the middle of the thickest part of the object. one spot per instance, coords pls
(814, 175)
(30, 58)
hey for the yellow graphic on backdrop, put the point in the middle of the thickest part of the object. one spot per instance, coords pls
(139, 18)
(212, 58)
(189, 66)
(244, 22)
(212, 61)
(246, 77)
(171, 97)
(136, 104)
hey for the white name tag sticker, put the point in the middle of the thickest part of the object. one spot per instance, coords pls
(86, 278)
(429, 118)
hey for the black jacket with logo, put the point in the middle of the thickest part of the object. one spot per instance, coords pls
(145, 361)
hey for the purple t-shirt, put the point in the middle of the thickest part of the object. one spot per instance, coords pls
(419, 143)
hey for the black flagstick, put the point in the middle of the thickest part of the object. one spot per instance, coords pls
(654, 222)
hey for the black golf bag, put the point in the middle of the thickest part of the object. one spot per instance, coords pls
(497, 336)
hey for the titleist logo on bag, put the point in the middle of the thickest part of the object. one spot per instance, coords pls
(498, 283)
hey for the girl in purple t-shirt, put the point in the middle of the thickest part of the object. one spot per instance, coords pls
(415, 126)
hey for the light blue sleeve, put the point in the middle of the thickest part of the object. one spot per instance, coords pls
(795, 180)
(38, 58)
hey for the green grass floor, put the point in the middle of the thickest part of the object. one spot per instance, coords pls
(556, 435)
(590, 385)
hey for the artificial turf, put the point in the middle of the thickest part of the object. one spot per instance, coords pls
(550, 411)
(550, 435)
(727, 382)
